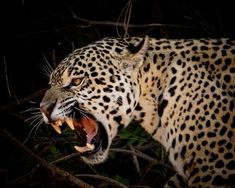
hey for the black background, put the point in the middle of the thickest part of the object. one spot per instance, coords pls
(38, 28)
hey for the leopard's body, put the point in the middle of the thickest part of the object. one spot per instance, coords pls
(181, 91)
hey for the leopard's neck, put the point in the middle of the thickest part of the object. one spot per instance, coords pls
(152, 85)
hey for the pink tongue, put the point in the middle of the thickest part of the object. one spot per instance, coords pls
(89, 125)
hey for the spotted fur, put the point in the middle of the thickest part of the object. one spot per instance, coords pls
(182, 92)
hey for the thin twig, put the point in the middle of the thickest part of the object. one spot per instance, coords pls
(55, 171)
(110, 181)
(127, 17)
(127, 11)
(23, 100)
(54, 58)
(24, 176)
(65, 158)
(10, 90)
(135, 160)
(133, 152)
(6, 75)
(139, 186)
(118, 24)
(145, 170)
(142, 155)
(58, 140)
(149, 145)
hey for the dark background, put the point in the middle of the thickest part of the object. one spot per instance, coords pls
(38, 28)
(35, 31)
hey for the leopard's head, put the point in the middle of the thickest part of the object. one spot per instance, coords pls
(94, 91)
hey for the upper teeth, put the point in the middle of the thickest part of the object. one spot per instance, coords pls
(70, 123)
(57, 128)
(56, 125)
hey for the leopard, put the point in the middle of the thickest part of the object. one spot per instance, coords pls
(181, 91)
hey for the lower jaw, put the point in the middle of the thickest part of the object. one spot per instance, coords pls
(99, 143)
(95, 158)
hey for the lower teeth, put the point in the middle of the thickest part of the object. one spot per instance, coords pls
(88, 147)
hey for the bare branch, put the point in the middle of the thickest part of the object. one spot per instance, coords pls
(45, 140)
(142, 155)
(10, 89)
(135, 161)
(65, 158)
(23, 100)
(118, 24)
(113, 182)
(6, 75)
(55, 171)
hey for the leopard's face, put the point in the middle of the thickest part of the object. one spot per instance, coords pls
(94, 93)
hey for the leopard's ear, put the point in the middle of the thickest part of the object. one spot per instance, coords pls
(136, 57)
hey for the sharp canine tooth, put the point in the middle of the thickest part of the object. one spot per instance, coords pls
(70, 123)
(79, 149)
(59, 123)
(57, 128)
(90, 146)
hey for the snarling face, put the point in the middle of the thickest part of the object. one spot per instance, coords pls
(94, 91)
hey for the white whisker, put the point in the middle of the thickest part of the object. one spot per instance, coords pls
(35, 121)
(36, 113)
(83, 112)
(35, 127)
(80, 110)
(32, 102)
(73, 116)
(65, 112)
(84, 115)
(31, 110)
(46, 67)
(33, 118)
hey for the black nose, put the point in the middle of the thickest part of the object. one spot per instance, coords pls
(47, 108)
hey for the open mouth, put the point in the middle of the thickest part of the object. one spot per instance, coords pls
(91, 134)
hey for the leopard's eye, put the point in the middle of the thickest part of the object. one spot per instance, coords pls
(76, 81)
